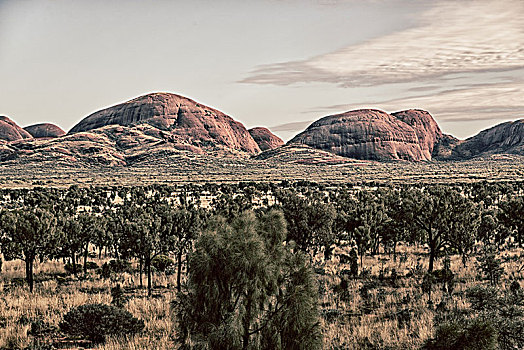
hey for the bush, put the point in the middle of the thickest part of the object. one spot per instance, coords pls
(96, 321)
(466, 335)
(118, 297)
(91, 265)
(115, 266)
(70, 268)
(162, 263)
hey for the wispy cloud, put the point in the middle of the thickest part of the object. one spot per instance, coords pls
(452, 37)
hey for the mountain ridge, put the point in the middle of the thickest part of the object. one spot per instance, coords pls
(159, 125)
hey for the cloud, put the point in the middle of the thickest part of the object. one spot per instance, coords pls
(451, 37)
(292, 127)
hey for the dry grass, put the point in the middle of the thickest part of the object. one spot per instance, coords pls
(350, 320)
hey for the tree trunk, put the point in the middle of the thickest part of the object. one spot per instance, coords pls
(73, 263)
(140, 270)
(395, 250)
(432, 253)
(432, 248)
(246, 321)
(179, 272)
(86, 252)
(29, 273)
(148, 266)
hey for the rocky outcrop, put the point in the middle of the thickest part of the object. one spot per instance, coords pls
(374, 134)
(265, 139)
(426, 128)
(297, 153)
(505, 138)
(10, 131)
(44, 130)
(187, 121)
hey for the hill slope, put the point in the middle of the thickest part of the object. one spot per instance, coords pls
(374, 134)
(188, 121)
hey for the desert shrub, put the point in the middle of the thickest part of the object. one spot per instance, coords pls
(118, 297)
(247, 290)
(483, 298)
(464, 335)
(162, 263)
(72, 268)
(91, 265)
(427, 285)
(490, 265)
(40, 328)
(96, 321)
(115, 266)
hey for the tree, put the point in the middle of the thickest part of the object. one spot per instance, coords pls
(27, 234)
(512, 216)
(310, 222)
(142, 240)
(178, 228)
(247, 290)
(445, 217)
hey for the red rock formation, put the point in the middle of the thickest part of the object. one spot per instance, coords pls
(374, 134)
(265, 139)
(188, 121)
(426, 128)
(44, 130)
(506, 137)
(10, 131)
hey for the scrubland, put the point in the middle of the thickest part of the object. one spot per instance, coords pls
(383, 308)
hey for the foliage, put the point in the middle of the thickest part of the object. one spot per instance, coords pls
(72, 268)
(248, 290)
(96, 321)
(27, 234)
(115, 266)
(118, 298)
(162, 263)
(490, 265)
(464, 335)
(309, 222)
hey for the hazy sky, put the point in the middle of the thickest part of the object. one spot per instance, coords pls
(275, 63)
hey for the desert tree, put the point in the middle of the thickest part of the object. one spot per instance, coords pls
(445, 218)
(28, 234)
(310, 222)
(247, 290)
(511, 215)
(138, 230)
(178, 228)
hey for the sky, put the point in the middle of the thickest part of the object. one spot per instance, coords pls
(275, 63)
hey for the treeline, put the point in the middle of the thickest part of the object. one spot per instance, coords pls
(145, 222)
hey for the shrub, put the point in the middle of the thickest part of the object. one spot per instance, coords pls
(91, 265)
(96, 321)
(466, 335)
(70, 268)
(119, 299)
(162, 263)
(115, 266)
(41, 328)
(490, 265)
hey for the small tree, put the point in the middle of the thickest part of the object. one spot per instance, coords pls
(27, 234)
(247, 290)
(97, 321)
(491, 265)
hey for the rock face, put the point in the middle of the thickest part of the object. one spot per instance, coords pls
(188, 121)
(10, 131)
(375, 135)
(44, 130)
(265, 139)
(502, 138)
